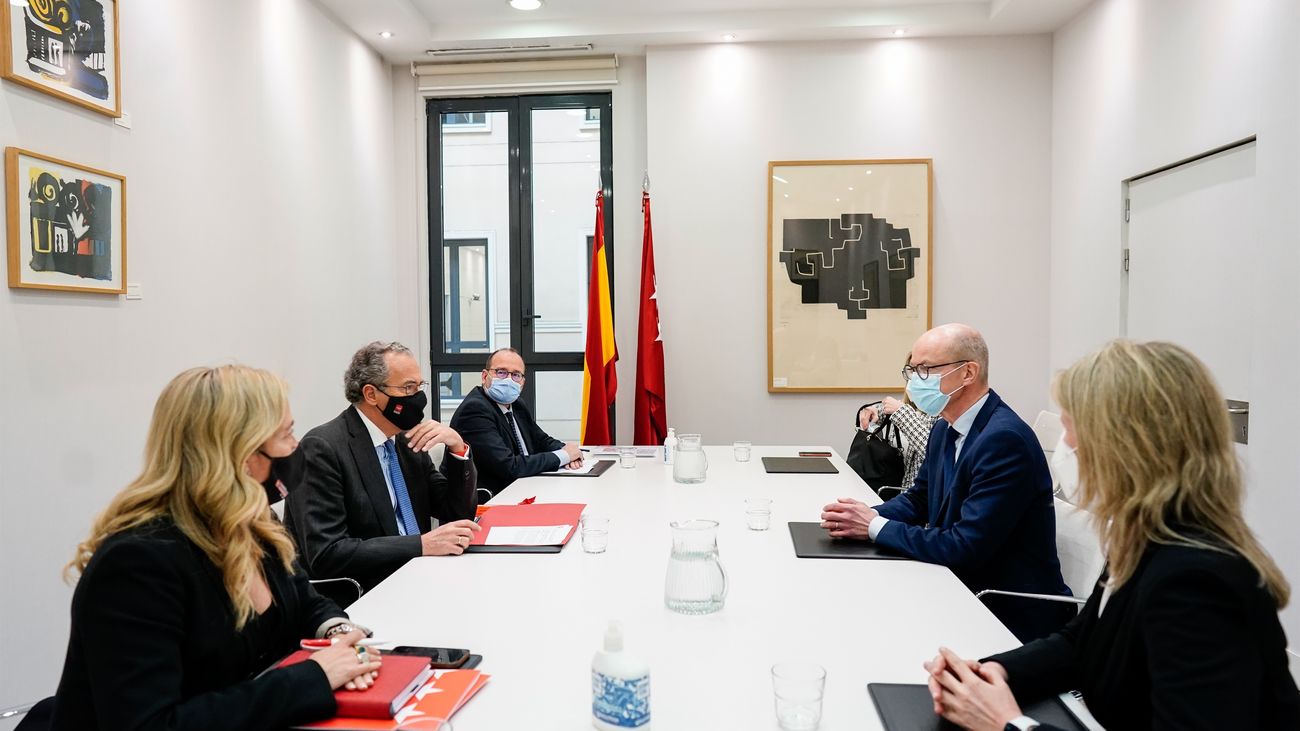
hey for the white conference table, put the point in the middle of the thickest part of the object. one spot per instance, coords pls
(537, 619)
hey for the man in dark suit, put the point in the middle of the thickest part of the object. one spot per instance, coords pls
(369, 489)
(507, 443)
(982, 501)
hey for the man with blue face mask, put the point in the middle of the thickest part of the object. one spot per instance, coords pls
(507, 443)
(982, 501)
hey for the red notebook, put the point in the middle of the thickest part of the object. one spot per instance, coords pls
(398, 680)
(533, 514)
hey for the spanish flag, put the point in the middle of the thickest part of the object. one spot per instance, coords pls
(599, 382)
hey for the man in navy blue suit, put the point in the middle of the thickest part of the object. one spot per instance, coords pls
(982, 501)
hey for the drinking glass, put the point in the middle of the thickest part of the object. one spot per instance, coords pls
(627, 457)
(798, 688)
(595, 533)
(758, 513)
(741, 451)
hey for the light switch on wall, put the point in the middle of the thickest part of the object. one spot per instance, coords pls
(123, 121)
(133, 291)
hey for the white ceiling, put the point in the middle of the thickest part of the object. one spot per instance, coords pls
(628, 26)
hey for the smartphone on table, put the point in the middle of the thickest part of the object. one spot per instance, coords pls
(440, 657)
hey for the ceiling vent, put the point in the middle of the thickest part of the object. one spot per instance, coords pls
(538, 49)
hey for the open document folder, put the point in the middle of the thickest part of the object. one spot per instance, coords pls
(533, 528)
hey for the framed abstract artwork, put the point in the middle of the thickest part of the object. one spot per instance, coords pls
(67, 225)
(66, 48)
(849, 261)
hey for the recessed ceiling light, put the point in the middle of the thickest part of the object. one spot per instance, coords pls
(900, 31)
(728, 37)
(385, 34)
(525, 4)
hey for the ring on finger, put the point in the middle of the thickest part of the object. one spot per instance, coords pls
(363, 656)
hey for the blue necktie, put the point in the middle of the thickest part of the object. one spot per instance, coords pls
(405, 512)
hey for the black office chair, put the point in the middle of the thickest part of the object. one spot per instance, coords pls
(34, 716)
(342, 590)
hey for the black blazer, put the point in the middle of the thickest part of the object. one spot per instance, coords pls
(153, 643)
(989, 518)
(483, 426)
(340, 512)
(1191, 641)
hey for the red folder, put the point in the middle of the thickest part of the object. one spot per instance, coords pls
(428, 710)
(397, 681)
(529, 515)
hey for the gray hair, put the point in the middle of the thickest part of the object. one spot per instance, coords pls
(369, 366)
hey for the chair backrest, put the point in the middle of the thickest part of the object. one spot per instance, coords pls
(1048, 429)
(1078, 548)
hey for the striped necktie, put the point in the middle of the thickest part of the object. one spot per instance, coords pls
(514, 432)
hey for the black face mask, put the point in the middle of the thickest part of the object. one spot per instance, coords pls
(406, 412)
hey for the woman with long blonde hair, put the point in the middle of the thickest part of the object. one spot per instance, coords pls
(1182, 630)
(188, 586)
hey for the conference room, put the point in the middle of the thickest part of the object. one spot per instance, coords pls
(431, 276)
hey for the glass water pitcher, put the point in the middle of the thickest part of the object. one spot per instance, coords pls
(696, 582)
(690, 463)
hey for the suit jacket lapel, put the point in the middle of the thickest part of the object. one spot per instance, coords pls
(968, 446)
(372, 473)
(503, 423)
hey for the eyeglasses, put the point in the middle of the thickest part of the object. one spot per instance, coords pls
(409, 388)
(924, 371)
(515, 376)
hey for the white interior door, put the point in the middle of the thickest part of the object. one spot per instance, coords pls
(1191, 243)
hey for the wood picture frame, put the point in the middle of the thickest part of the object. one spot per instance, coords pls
(846, 294)
(65, 48)
(66, 225)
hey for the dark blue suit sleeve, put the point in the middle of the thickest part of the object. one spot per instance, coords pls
(913, 506)
(1001, 489)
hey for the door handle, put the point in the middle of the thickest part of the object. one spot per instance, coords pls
(1238, 411)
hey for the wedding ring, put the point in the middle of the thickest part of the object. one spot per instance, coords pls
(363, 657)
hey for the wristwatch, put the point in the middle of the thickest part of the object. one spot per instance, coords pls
(341, 628)
(1020, 723)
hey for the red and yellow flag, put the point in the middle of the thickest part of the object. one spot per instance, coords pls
(599, 382)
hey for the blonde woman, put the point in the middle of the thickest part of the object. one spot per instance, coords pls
(1182, 631)
(188, 587)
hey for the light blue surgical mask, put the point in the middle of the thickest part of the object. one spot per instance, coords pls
(504, 390)
(926, 395)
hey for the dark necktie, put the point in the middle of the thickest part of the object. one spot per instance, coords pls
(949, 473)
(950, 456)
(520, 449)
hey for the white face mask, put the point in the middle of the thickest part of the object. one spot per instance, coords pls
(1065, 472)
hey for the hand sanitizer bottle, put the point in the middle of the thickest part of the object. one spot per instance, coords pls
(670, 445)
(620, 686)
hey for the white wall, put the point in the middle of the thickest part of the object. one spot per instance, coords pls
(1137, 85)
(259, 188)
(717, 114)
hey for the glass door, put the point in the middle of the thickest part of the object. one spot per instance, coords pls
(512, 184)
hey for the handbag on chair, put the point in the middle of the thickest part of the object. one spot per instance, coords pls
(877, 456)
